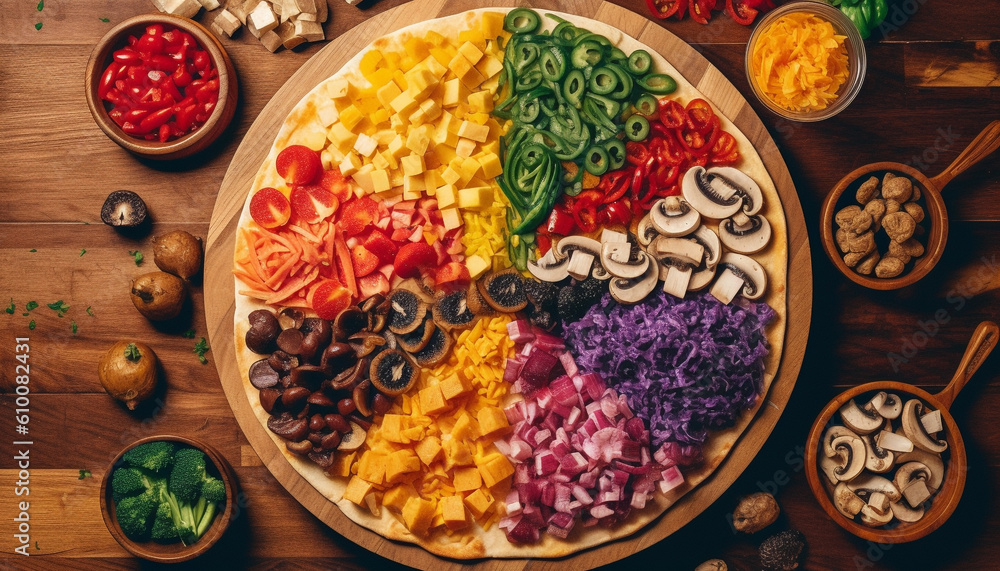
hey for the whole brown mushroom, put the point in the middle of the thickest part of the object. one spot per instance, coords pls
(127, 372)
(158, 295)
(755, 512)
(178, 253)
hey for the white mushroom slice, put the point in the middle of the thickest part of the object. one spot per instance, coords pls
(549, 268)
(909, 472)
(854, 453)
(738, 275)
(718, 203)
(879, 502)
(617, 259)
(673, 216)
(748, 238)
(566, 246)
(893, 441)
(723, 179)
(635, 290)
(645, 232)
(599, 273)
(876, 401)
(705, 272)
(905, 513)
(616, 252)
(872, 518)
(877, 459)
(933, 462)
(613, 236)
(915, 431)
(833, 433)
(932, 422)
(679, 257)
(916, 493)
(891, 406)
(829, 465)
(580, 263)
(867, 484)
(847, 502)
(859, 420)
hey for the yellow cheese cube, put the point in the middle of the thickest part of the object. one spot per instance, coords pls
(371, 467)
(417, 118)
(477, 266)
(435, 39)
(416, 47)
(474, 131)
(478, 502)
(400, 78)
(431, 400)
(491, 84)
(451, 218)
(453, 512)
(460, 66)
(465, 148)
(431, 109)
(339, 88)
(475, 198)
(341, 137)
(396, 496)
(451, 176)
(342, 465)
(452, 93)
(363, 178)
(369, 62)
(399, 463)
(422, 83)
(492, 419)
(380, 77)
(456, 453)
(465, 427)
(467, 479)
(356, 490)
(392, 427)
(428, 449)
(398, 123)
(495, 469)
(432, 179)
(397, 147)
(379, 162)
(490, 165)
(413, 184)
(327, 114)
(413, 164)
(350, 164)
(480, 102)
(443, 54)
(491, 24)
(350, 116)
(365, 145)
(404, 103)
(444, 154)
(453, 386)
(391, 160)
(489, 66)
(387, 93)
(379, 117)
(446, 195)
(468, 168)
(472, 35)
(471, 52)
(418, 140)
(472, 78)
(436, 67)
(418, 513)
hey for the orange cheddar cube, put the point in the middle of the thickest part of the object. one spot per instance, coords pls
(357, 489)
(418, 513)
(454, 386)
(467, 478)
(395, 497)
(495, 469)
(371, 467)
(465, 428)
(453, 512)
(342, 465)
(479, 502)
(428, 449)
(399, 463)
(492, 419)
(431, 400)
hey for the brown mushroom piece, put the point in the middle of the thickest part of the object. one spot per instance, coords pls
(867, 484)
(645, 232)
(352, 440)
(360, 395)
(873, 518)
(348, 322)
(336, 358)
(877, 459)
(262, 375)
(451, 311)
(349, 378)
(915, 431)
(290, 318)
(365, 343)
(392, 373)
(845, 215)
(436, 350)
(868, 190)
(755, 512)
(418, 338)
(290, 341)
(860, 421)
(705, 272)
(406, 311)
(846, 501)
(263, 332)
(317, 335)
(620, 261)
(934, 463)
(503, 291)
(852, 450)
(288, 427)
(269, 398)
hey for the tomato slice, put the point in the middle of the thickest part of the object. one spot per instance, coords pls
(335, 182)
(701, 10)
(297, 164)
(672, 114)
(358, 214)
(329, 298)
(636, 153)
(363, 260)
(698, 116)
(269, 208)
(663, 9)
(741, 12)
(313, 203)
(412, 257)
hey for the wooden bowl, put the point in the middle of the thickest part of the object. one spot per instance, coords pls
(181, 147)
(936, 213)
(945, 500)
(177, 551)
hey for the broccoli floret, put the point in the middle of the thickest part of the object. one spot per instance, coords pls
(214, 490)
(187, 475)
(128, 482)
(193, 508)
(163, 524)
(133, 514)
(153, 456)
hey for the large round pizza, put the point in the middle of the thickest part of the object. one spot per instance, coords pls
(507, 285)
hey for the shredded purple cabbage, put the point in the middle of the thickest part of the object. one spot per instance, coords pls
(686, 366)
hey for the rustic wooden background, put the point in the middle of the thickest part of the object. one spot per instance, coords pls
(931, 86)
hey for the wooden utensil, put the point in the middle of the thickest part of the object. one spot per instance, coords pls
(945, 500)
(181, 147)
(177, 551)
(930, 188)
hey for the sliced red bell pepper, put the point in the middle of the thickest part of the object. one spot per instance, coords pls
(560, 222)
(698, 115)
(663, 9)
(614, 185)
(741, 12)
(672, 114)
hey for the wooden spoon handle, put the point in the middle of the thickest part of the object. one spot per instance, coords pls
(984, 339)
(978, 149)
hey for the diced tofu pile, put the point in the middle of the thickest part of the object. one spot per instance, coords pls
(417, 124)
(430, 460)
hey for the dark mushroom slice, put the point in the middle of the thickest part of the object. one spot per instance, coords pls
(436, 351)
(294, 396)
(349, 322)
(263, 332)
(365, 343)
(349, 378)
(424, 291)
(353, 440)
(299, 448)
(291, 318)
(123, 208)
(317, 336)
(288, 427)
(321, 400)
(392, 373)
(307, 376)
(452, 312)
(360, 396)
(418, 338)
(406, 311)
(371, 303)
(282, 362)
(476, 302)
(262, 376)
(269, 398)
(323, 458)
(504, 291)
(336, 358)
(290, 341)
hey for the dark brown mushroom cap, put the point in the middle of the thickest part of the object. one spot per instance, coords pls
(418, 338)
(436, 350)
(504, 291)
(452, 311)
(392, 373)
(406, 311)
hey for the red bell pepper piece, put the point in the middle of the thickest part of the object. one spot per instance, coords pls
(560, 222)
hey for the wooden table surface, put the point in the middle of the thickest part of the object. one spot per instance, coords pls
(932, 84)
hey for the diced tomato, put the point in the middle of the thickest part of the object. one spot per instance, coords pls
(363, 260)
(452, 277)
(269, 208)
(372, 284)
(413, 257)
(335, 182)
(297, 164)
(379, 244)
(358, 214)
(330, 298)
(313, 203)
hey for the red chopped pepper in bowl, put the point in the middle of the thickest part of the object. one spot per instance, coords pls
(161, 86)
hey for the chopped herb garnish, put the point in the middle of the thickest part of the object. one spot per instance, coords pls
(36, 546)
(132, 353)
(32, 250)
(38, 26)
(59, 307)
(137, 255)
(189, 334)
(105, 20)
(84, 474)
(31, 305)
(41, 4)
(31, 325)
(11, 307)
(82, 252)
(200, 348)
(90, 311)
(72, 326)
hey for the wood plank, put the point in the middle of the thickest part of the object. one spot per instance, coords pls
(956, 64)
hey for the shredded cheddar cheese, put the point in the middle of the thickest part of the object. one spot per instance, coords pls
(431, 458)
(800, 62)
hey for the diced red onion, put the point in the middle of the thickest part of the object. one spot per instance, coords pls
(520, 331)
(568, 363)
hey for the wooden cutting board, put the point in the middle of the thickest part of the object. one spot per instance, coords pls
(219, 286)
